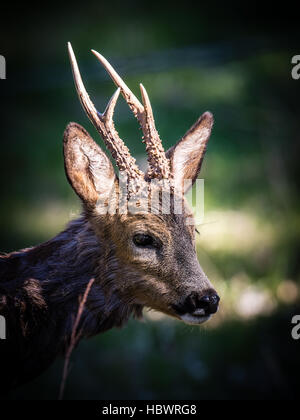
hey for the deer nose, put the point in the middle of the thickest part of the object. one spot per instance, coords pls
(199, 304)
(208, 303)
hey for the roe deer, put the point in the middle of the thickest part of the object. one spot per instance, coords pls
(137, 258)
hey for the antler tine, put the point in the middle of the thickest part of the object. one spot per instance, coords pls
(159, 166)
(84, 98)
(133, 102)
(104, 123)
(110, 107)
(158, 163)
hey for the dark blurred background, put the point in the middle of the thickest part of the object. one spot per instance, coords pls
(234, 61)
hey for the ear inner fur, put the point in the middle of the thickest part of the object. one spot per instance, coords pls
(88, 169)
(187, 155)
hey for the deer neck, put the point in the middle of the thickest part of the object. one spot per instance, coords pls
(40, 290)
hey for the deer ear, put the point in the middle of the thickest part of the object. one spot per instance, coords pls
(187, 155)
(88, 169)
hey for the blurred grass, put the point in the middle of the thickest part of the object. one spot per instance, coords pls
(249, 240)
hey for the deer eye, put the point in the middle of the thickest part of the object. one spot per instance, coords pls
(141, 239)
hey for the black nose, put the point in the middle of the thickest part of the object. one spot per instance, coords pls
(199, 304)
(209, 303)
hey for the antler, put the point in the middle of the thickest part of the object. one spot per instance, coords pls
(159, 165)
(104, 124)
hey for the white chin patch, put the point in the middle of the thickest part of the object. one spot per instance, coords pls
(194, 319)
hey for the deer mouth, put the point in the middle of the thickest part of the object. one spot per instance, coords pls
(195, 318)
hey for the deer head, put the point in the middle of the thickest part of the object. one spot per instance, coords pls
(151, 255)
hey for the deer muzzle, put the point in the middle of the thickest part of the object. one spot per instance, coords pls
(197, 307)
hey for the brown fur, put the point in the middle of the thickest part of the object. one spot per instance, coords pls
(40, 286)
